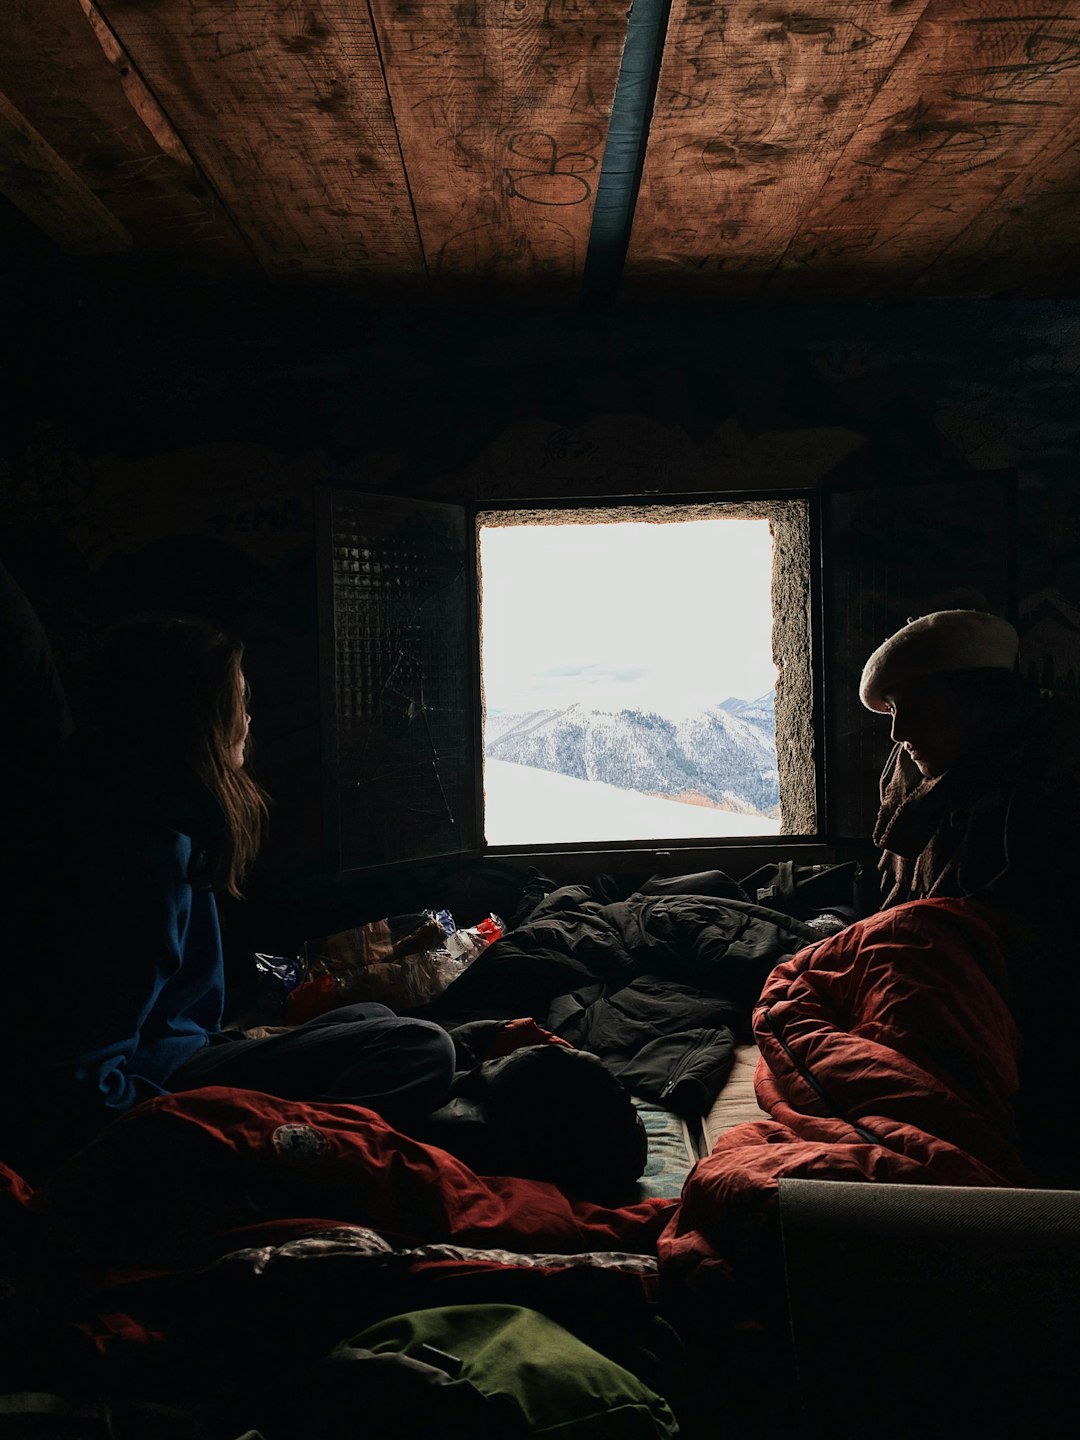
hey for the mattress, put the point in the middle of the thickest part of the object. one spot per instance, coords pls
(676, 1144)
(737, 1101)
(672, 1152)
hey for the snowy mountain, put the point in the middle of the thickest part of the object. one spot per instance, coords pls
(723, 757)
(760, 712)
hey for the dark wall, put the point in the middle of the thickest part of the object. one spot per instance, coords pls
(164, 440)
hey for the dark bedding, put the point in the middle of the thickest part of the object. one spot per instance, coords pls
(888, 1053)
(657, 984)
(155, 1187)
(224, 1229)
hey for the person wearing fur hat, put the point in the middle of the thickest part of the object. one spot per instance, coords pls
(980, 798)
(949, 684)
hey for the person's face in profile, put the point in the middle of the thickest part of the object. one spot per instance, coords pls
(239, 749)
(934, 721)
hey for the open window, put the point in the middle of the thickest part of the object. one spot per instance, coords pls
(632, 663)
(687, 628)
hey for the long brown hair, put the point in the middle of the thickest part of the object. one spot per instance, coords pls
(164, 696)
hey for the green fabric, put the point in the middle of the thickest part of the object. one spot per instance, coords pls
(561, 1386)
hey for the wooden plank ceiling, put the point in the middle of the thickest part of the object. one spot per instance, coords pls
(860, 149)
(865, 150)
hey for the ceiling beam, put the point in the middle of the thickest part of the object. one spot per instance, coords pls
(50, 194)
(84, 96)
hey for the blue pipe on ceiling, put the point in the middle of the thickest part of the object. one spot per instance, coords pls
(624, 154)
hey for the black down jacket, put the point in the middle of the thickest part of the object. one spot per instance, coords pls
(658, 985)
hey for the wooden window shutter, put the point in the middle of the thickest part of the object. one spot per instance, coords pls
(399, 686)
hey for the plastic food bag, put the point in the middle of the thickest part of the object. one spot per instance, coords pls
(467, 944)
(276, 977)
(402, 962)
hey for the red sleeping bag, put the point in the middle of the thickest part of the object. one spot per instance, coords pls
(157, 1187)
(888, 1054)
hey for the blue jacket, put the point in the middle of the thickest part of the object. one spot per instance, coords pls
(174, 984)
(122, 977)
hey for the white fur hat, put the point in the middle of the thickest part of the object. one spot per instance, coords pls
(945, 640)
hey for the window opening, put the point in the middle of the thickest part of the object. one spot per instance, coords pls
(646, 673)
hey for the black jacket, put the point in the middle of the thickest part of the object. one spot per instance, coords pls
(658, 985)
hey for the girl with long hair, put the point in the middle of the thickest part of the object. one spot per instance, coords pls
(121, 994)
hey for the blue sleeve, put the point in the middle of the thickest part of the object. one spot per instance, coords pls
(152, 987)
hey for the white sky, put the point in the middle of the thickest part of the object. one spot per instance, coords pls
(669, 617)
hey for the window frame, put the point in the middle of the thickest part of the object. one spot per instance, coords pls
(754, 845)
